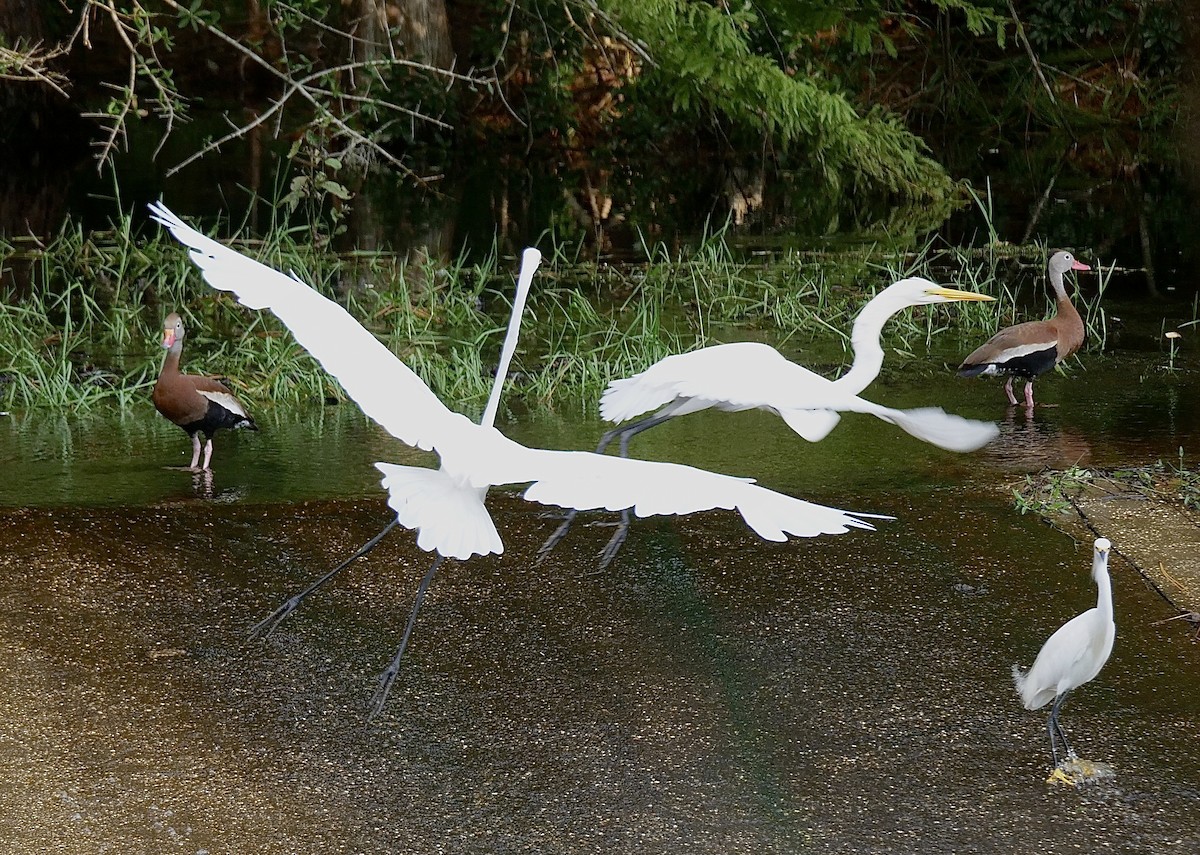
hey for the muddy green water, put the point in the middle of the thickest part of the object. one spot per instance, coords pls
(709, 692)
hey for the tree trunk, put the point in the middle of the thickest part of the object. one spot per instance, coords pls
(422, 29)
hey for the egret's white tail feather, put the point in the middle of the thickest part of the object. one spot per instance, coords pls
(1018, 675)
(449, 518)
(945, 430)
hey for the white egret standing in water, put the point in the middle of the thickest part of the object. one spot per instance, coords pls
(445, 505)
(1073, 655)
(755, 376)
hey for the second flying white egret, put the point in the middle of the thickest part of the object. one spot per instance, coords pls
(755, 376)
(1073, 655)
(446, 505)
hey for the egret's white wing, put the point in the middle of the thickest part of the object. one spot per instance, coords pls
(945, 430)
(737, 376)
(385, 388)
(587, 481)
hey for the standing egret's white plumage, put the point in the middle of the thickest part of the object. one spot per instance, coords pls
(1073, 655)
(755, 376)
(446, 505)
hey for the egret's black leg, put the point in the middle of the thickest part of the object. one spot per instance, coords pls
(616, 541)
(608, 437)
(630, 431)
(389, 676)
(565, 526)
(267, 626)
(559, 534)
(614, 544)
(1056, 731)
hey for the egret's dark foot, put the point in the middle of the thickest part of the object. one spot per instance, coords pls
(266, 626)
(388, 677)
(616, 541)
(553, 540)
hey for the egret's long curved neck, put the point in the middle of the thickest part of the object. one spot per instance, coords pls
(1104, 603)
(530, 259)
(864, 339)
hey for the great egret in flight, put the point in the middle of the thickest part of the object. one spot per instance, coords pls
(1073, 655)
(446, 505)
(755, 376)
(1031, 349)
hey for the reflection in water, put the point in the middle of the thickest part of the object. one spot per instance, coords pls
(1030, 442)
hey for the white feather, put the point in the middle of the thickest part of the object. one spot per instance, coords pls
(226, 400)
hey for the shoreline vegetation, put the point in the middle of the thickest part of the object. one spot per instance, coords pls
(83, 328)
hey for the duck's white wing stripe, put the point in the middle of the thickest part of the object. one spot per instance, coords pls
(385, 388)
(226, 400)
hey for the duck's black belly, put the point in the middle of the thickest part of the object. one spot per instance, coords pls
(1030, 365)
(215, 419)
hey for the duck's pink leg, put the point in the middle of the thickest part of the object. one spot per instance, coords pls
(1028, 395)
(195, 450)
(207, 454)
(1012, 399)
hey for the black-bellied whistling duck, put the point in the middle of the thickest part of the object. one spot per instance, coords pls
(1031, 349)
(198, 404)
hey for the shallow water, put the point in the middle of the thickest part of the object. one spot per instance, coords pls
(709, 692)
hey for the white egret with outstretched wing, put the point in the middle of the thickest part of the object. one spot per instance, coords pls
(446, 505)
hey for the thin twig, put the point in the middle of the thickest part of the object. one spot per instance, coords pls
(30, 65)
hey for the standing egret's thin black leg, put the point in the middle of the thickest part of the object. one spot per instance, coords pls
(267, 626)
(389, 676)
(1056, 731)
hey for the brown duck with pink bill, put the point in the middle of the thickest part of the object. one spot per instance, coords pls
(1031, 349)
(198, 404)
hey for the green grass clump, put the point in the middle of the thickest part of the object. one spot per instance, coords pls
(83, 325)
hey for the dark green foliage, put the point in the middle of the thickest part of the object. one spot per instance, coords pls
(705, 62)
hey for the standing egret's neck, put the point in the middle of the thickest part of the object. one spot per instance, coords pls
(864, 339)
(1104, 603)
(530, 259)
